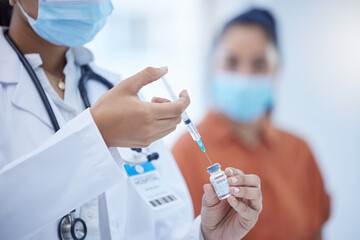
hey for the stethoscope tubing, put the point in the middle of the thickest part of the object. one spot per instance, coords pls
(36, 82)
(86, 74)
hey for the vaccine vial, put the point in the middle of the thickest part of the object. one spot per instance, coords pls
(219, 181)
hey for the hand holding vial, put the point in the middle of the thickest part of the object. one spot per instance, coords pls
(233, 217)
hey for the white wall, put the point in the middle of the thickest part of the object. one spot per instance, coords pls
(319, 84)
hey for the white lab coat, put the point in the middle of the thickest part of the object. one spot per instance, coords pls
(43, 176)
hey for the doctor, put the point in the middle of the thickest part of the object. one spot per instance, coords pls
(76, 183)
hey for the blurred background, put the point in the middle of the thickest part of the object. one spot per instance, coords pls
(318, 92)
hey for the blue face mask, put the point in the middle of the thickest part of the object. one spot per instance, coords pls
(243, 98)
(68, 22)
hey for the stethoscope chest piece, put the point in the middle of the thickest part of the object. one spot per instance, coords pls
(71, 228)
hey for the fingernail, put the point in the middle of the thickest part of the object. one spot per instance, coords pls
(234, 200)
(233, 179)
(236, 190)
(231, 171)
(184, 93)
(163, 68)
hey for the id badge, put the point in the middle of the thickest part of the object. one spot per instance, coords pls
(149, 184)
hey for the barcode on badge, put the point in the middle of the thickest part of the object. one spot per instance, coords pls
(162, 200)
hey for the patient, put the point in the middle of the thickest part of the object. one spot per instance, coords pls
(237, 131)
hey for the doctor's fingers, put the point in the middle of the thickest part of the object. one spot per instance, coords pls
(134, 83)
(245, 211)
(160, 100)
(164, 124)
(209, 198)
(252, 194)
(173, 109)
(158, 136)
(249, 180)
(230, 171)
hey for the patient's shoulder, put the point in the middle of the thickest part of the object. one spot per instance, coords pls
(291, 140)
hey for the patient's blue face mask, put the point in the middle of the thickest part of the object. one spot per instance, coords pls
(69, 22)
(243, 98)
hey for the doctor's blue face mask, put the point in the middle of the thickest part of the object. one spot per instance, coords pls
(69, 22)
(243, 98)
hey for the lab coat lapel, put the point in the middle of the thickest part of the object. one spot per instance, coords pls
(27, 98)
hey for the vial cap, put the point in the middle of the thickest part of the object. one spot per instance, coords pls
(213, 168)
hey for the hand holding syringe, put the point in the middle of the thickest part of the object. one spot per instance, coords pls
(189, 124)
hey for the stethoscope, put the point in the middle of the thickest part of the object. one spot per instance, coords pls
(71, 227)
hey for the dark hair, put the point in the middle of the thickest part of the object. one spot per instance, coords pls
(255, 16)
(5, 12)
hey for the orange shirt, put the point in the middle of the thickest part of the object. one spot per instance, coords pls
(295, 204)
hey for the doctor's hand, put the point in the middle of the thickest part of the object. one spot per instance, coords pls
(125, 121)
(231, 218)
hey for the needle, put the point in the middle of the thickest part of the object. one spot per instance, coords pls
(208, 158)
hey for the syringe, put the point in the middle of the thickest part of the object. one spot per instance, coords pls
(189, 124)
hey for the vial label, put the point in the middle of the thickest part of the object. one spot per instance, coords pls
(221, 186)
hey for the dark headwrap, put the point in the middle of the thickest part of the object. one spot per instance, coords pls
(258, 16)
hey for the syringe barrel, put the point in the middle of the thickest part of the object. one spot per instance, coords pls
(192, 130)
(191, 127)
(185, 117)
